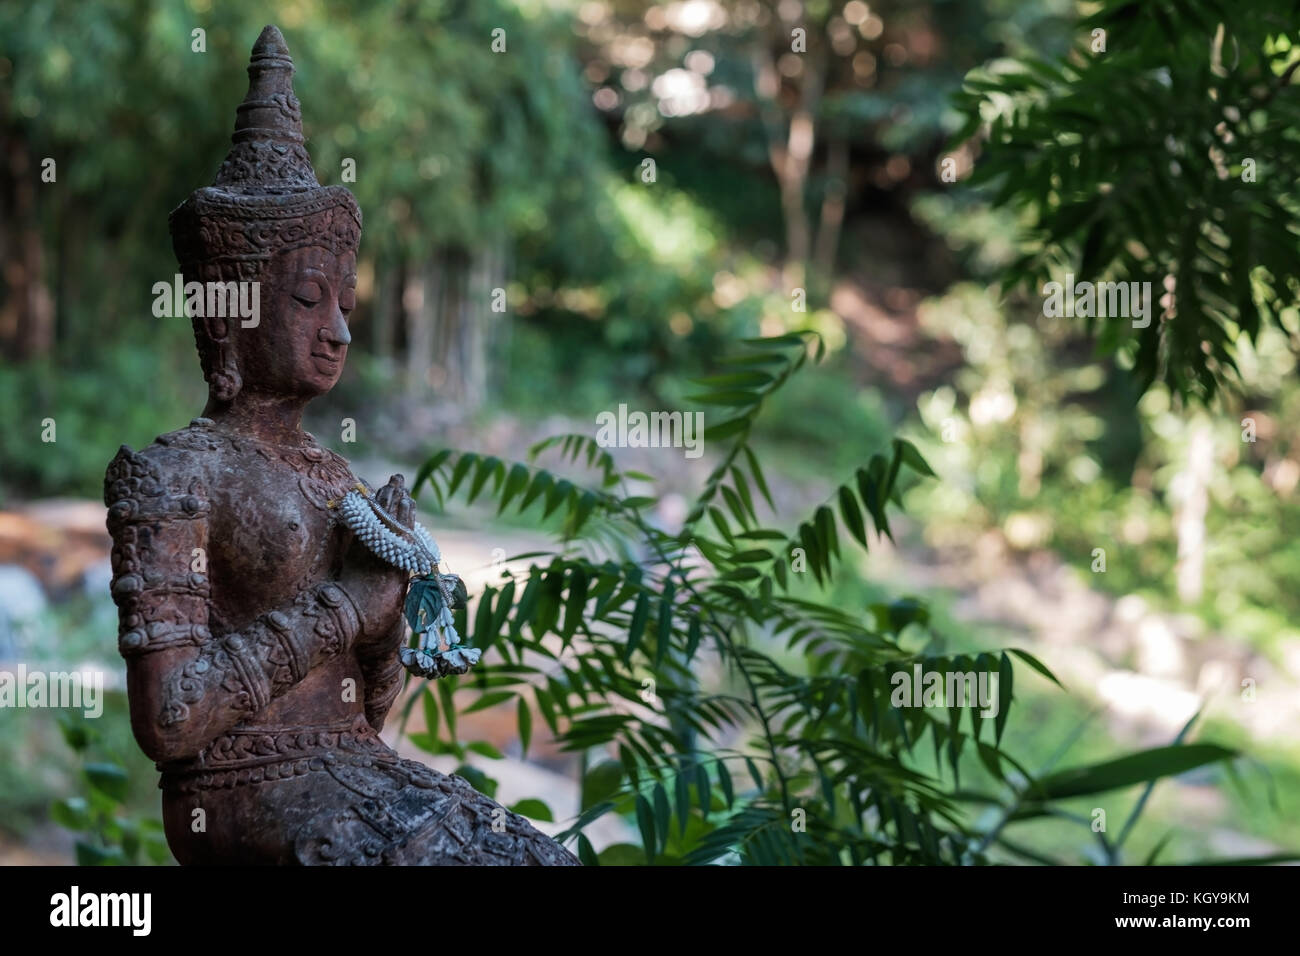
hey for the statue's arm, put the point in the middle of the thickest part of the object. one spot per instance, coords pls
(382, 672)
(186, 685)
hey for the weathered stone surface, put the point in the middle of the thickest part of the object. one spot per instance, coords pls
(261, 640)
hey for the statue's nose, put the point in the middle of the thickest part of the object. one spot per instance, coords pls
(336, 333)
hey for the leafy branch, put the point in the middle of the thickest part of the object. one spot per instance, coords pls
(721, 701)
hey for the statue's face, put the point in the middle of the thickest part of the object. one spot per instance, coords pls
(301, 340)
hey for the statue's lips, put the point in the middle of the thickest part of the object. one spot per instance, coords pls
(333, 361)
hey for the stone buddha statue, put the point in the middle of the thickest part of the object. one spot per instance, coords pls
(261, 638)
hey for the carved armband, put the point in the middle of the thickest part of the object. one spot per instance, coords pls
(160, 582)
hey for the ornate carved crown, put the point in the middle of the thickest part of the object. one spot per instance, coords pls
(266, 197)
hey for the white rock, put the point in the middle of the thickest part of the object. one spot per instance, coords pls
(21, 598)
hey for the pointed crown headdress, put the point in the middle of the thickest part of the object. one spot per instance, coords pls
(266, 197)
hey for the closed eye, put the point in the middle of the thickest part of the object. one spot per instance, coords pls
(308, 294)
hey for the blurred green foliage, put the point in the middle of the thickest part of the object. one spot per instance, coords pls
(613, 281)
(1161, 149)
(108, 833)
(453, 145)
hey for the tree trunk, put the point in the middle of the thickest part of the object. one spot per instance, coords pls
(790, 149)
(450, 325)
(383, 339)
(422, 290)
(832, 217)
(449, 331)
(27, 315)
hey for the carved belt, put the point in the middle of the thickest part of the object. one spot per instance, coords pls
(263, 754)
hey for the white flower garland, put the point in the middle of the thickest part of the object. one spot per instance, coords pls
(361, 514)
(380, 532)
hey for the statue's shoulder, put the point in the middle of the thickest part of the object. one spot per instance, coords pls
(318, 458)
(200, 435)
(176, 464)
(326, 475)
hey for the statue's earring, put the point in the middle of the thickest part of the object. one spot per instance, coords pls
(225, 381)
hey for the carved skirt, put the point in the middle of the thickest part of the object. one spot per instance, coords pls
(337, 795)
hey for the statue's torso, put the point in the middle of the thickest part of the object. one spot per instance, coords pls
(271, 537)
(270, 527)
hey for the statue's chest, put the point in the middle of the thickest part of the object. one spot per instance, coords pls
(276, 531)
